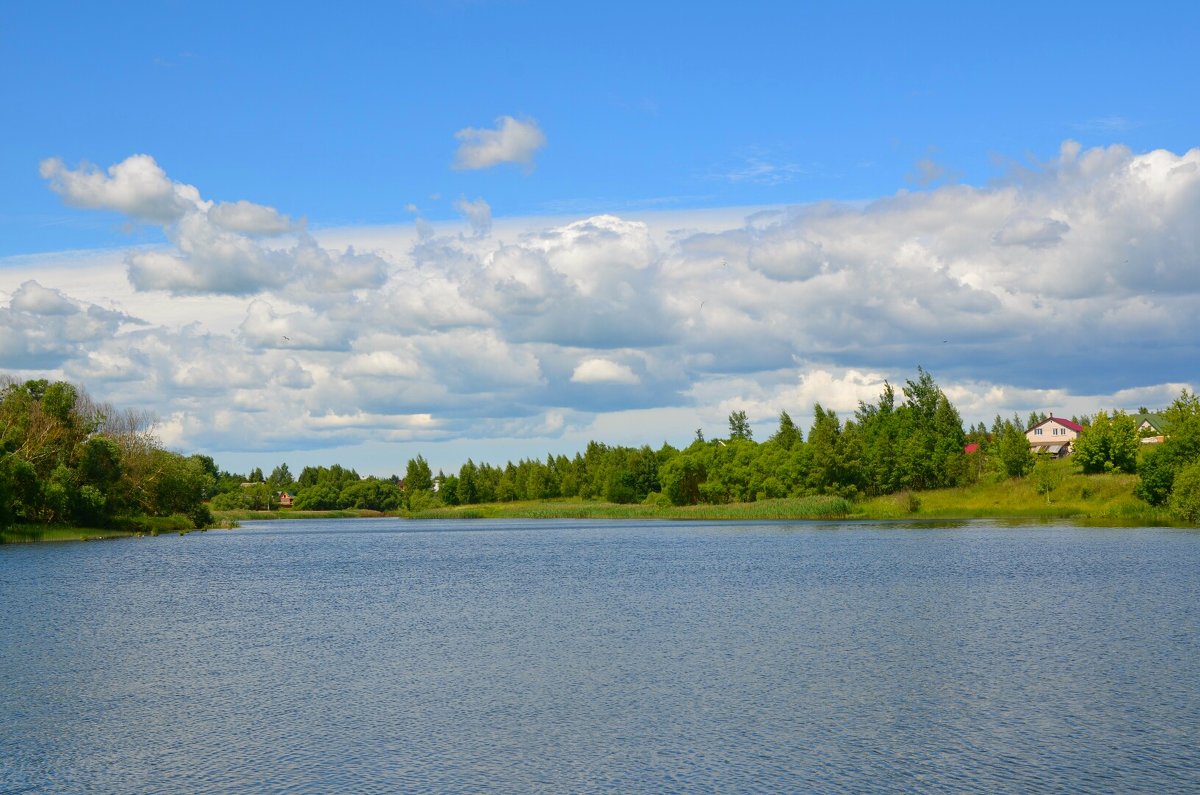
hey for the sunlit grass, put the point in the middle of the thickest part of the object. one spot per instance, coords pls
(1056, 492)
(1069, 495)
(799, 508)
(26, 534)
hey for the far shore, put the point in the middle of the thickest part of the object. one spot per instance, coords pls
(1100, 500)
(1089, 500)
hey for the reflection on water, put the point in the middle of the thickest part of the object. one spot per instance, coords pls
(389, 656)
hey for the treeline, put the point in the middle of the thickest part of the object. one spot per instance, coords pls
(915, 444)
(317, 488)
(912, 441)
(65, 459)
(909, 442)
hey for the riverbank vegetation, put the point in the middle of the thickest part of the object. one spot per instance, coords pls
(906, 455)
(69, 462)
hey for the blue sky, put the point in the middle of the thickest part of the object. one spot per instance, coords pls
(511, 227)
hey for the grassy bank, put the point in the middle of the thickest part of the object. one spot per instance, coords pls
(139, 526)
(1061, 494)
(28, 534)
(801, 508)
(1055, 492)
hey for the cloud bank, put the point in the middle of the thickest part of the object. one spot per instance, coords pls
(1068, 287)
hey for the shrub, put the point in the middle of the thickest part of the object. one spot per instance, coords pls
(1185, 496)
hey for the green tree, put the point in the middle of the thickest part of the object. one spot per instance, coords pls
(1107, 444)
(788, 435)
(683, 475)
(417, 475)
(1185, 496)
(1013, 450)
(372, 494)
(281, 478)
(739, 426)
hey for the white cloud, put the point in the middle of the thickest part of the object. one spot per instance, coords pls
(1031, 232)
(263, 327)
(35, 299)
(137, 187)
(380, 364)
(513, 141)
(598, 370)
(249, 218)
(214, 248)
(478, 213)
(1068, 287)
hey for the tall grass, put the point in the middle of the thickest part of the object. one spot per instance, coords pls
(791, 508)
(1062, 494)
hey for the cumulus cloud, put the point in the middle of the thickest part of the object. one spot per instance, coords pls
(42, 328)
(215, 248)
(263, 327)
(34, 299)
(137, 187)
(249, 218)
(1068, 286)
(512, 141)
(600, 370)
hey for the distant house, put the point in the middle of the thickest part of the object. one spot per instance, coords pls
(972, 448)
(1053, 436)
(285, 500)
(1150, 427)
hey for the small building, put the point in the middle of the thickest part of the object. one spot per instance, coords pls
(1151, 428)
(285, 500)
(1053, 436)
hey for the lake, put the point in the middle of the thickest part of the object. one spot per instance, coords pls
(379, 656)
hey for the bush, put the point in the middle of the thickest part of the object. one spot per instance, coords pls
(1185, 496)
(657, 499)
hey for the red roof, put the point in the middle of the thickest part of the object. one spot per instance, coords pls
(1075, 426)
(971, 448)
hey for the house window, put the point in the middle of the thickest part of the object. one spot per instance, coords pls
(1037, 432)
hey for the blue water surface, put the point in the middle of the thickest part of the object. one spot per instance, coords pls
(377, 656)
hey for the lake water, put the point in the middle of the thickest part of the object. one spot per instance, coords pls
(389, 656)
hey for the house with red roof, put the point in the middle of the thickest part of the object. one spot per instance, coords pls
(1053, 436)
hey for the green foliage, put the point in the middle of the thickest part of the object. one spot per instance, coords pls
(1013, 450)
(788, 435)
(1185, 495)
(281, 478)
(1162, 466)
(739, 426)
(1107, 444)
(1157, 471)
(1045, 477)
(370, 494)
(417, 475)
(65, 460)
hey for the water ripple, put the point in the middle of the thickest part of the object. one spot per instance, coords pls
(380, 657)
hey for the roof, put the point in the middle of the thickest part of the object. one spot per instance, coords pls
(971, 448)
(1075, 426)
(1153, 419)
